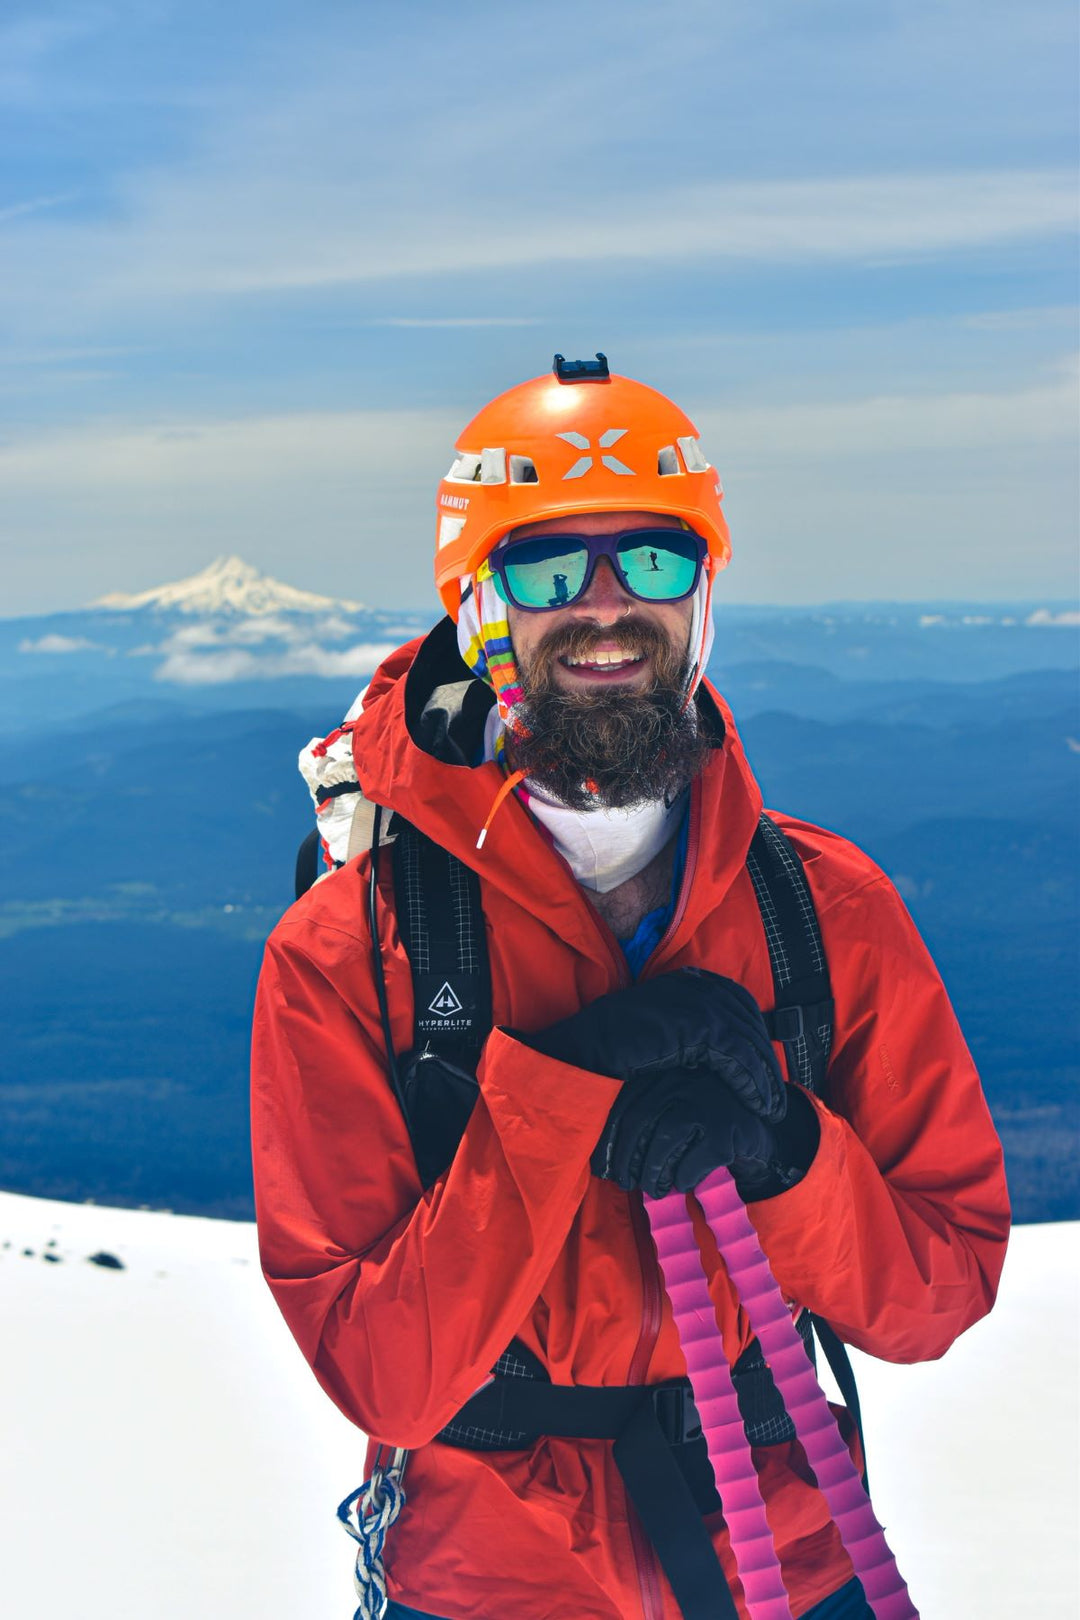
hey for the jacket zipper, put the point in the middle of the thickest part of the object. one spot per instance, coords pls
(652, 1602)
(693, 841)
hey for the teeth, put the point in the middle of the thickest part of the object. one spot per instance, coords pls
(611, 659)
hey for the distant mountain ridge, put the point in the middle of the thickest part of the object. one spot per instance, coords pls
(227, 585)
(243, 639)
(152, 811)
(148, 850)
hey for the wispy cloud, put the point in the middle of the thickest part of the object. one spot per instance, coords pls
(225, 238)
(396, 447)
(1025, 320)
(216, 634)
(452, 321)
(900, 425)
(208, 652)
(1044, 618)
(18, 358)
(29, 43)
(260, 451)
(58, 644)
(192, 668)
(33, 205)
(292, 182)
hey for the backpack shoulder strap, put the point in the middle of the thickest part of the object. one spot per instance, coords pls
(802, 1017)
(441, 919)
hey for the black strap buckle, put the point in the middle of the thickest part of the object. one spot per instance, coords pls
(791, 1023)
(787, 1023)
(676, 1413)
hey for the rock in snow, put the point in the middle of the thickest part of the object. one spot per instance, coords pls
(167, 1453)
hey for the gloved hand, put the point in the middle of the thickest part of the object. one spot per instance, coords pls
(688, 1020)
(670, 1130)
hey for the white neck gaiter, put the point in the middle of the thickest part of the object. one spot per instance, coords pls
(602, 847)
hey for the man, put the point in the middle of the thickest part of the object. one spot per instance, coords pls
(556, 736)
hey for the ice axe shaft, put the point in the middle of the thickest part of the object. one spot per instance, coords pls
(716, 1401)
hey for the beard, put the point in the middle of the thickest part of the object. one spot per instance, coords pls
(609, 747)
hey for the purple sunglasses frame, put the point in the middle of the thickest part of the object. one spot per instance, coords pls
(597, 546)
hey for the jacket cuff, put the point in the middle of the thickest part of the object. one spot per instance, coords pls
(797, 1137)
(536, 1099)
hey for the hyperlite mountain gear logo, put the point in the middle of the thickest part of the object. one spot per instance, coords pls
(445, 1004)
(446, 1014)
(446, 1008)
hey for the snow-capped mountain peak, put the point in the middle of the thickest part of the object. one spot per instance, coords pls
(228, 585)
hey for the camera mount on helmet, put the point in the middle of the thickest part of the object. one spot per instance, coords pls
(581, 370)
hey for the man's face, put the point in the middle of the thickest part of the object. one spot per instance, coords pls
(605, 718)
(590, 646)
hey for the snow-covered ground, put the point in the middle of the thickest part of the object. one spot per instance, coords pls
(168, 1456)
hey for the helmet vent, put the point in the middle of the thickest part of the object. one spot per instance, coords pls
(493, 466)
(450, 530)
(523, 470)
(465, 469)
(667, 462)
(693, 455)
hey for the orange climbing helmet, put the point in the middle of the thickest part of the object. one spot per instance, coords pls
(576, 440)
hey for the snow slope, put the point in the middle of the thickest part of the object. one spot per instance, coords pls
(168, 1455)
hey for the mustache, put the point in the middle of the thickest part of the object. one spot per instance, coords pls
(629, 635)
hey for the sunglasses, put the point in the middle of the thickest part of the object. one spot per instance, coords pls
(653, 565)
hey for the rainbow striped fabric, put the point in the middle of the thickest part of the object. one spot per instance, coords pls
(484, 640)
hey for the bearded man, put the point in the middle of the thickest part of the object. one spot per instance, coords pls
(554, 734)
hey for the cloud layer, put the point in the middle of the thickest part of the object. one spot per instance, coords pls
(188, 667)
(249, 306)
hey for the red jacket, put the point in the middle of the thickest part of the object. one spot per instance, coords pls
(402, 1300)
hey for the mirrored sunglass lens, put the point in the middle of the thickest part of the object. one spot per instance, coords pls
(659, 567)
(545, 573)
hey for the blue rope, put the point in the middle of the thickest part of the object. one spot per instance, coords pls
(366, 1516)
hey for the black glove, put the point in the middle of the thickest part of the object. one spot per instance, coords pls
(670, 1130)
(688, 1020)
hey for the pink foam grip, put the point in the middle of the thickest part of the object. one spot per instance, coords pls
(862, 1535)
(718, 1406)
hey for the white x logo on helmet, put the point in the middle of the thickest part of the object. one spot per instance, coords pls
(583, 463)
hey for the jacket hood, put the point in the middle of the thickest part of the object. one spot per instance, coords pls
(420, 731)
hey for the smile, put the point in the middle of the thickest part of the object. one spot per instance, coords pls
(604, 660)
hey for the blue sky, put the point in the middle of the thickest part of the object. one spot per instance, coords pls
(260, 263)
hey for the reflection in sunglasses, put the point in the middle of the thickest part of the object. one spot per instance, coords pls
(553, 571)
